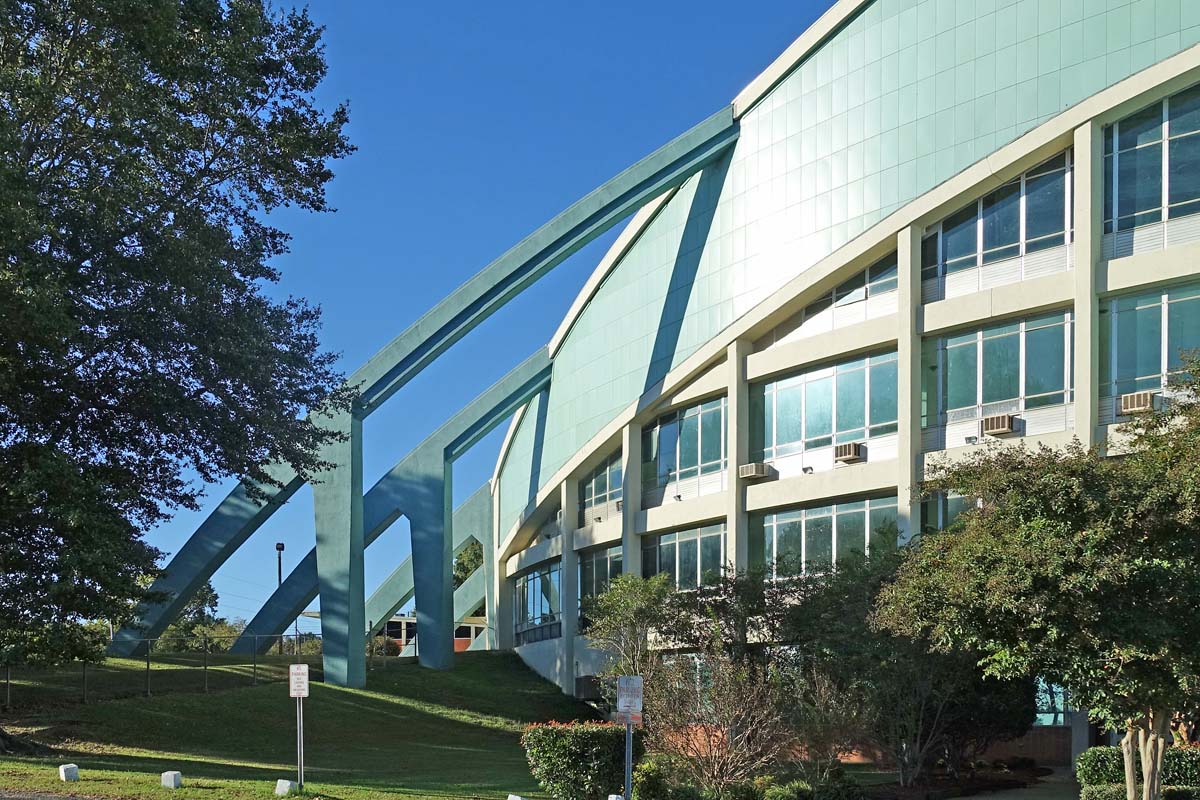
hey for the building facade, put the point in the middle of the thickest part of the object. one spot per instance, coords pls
(943, 222)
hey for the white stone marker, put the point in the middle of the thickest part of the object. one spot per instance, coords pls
(68, 773)
(616, 797)
(172, 779)
(515, 797)
(284, 787)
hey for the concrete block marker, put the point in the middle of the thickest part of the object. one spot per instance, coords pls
(172, 779)
(515, 797)
(285, 787)
(616, 797)
(68, 773)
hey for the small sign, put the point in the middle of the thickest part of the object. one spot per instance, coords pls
(298, 680)
(629, 694)
(629, 718)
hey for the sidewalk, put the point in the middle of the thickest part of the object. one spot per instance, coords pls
(1060, 785)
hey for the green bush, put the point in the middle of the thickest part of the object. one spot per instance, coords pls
(744, 790)
(579, 760)
(653, 778)
(1100, 766)
(1113, 791)
(793, 790)
(840, 788)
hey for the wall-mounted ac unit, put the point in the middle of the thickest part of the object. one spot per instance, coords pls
(1137, 402)
(998, 424)
(755, 471)
(848, 453)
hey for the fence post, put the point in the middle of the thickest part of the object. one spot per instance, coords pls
(8, 685)
(149, 642)
(254, 664)
(85, 683)
(206, 664)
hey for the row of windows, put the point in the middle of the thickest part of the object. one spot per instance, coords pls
(1024, 364)
(879, 278)
(603, 484)
(690, 558)
(1152, 163)
(537, 602)
(1151, 333)
(1031, 213)
(684, 444)
(844, 403)
(796, 540)
(597, 568)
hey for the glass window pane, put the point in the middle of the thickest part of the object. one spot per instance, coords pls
(1141, 128)
(818, 541)
(689, 442)
(929, 256)
(961, 376)
(649, 561)
(818, 408)
(1001, 368)
(1045, 199)
(761, 433)
(1045, 351)
(668, 440)
(600, 482)
(883, 531)
(851, 533)
(1183, 330)
(710, 436)
(852, 290)
(666, 560)
(1002, 217)
(851, 400)
(788, 534)
(1184, 110)
(1183, 167)
(587, 577)
(1139, 181)
(1139, 344)
(614, 477)
(689, 561)
(958, 236)
(711, 559)
(787, 415)
(883, 393)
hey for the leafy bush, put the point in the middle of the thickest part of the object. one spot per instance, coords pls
(743, 790)
(1101, 766)
(579, 761)
(1114, 791)
(840, 787)
(793, 790)
(652, 778)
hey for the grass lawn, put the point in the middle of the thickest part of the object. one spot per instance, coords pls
(411, 733)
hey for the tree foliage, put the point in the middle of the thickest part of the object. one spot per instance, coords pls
(143, 145)
(1077, 567)
(469, 559)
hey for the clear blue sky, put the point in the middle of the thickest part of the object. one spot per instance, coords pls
(475, 123)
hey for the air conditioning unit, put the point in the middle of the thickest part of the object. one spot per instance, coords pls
(755, 471)
(1137, 403)
(848, 453)
(998, 424)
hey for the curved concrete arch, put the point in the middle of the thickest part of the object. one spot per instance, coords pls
(338, 497)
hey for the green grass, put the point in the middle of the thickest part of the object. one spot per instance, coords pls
(411, 733)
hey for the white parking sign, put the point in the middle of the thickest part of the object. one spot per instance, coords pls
(298, 680)
(629, 694)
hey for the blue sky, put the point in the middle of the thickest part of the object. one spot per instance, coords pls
(475, 123)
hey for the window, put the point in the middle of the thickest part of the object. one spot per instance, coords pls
(1030, 213)
(1152, 332)
(601, 486)
(849, 402)
(684, 444)
(1053, 708)
(1152, 163)
(809, 538)
(690, 558)
(1008, 367)
(537, 604)
(597, 568)
(879, 278)
(939, 511)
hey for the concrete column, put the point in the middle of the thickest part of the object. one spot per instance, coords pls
(431, 524)
(487, 537)
(737, 534)
(500, 610)
(631, 497)
(338, 506)
(1089, 228)
(908, 376)
(569, 587)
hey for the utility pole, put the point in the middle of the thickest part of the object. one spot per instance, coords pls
(279, 582)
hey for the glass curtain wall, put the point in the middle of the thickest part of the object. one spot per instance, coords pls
(1152, 163)
(1003, 368)
(537, 604)
(1144, 337)
(597, 568)
(849, 402)
(601, 486)
(1030, 213)
(689, 558)
(794, 541)
(684, 444)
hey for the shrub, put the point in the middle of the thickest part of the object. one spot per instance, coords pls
(652, 778)
(743, 790)
(793, 790)
(579, 761)
(1113, 791)
(1100, 766)
(840, 787)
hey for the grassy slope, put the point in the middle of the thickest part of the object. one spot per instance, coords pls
(413, 732)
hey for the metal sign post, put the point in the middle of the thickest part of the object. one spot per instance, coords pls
(629, 711)
(298, 688)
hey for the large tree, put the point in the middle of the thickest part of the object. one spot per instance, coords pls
(1076, 567)
(143, 145)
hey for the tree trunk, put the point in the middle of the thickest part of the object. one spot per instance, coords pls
(1152, 742)
(12, 745)
(1128, 745)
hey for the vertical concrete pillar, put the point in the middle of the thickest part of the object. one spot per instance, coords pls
(631, 497)
(500, 610)
(569, 587)
(338, 512)
(1089, 228)
(737, 534)
(487, 538)
(908, 374)
(431, 526)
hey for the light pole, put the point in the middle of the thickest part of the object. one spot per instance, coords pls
(279, 582)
